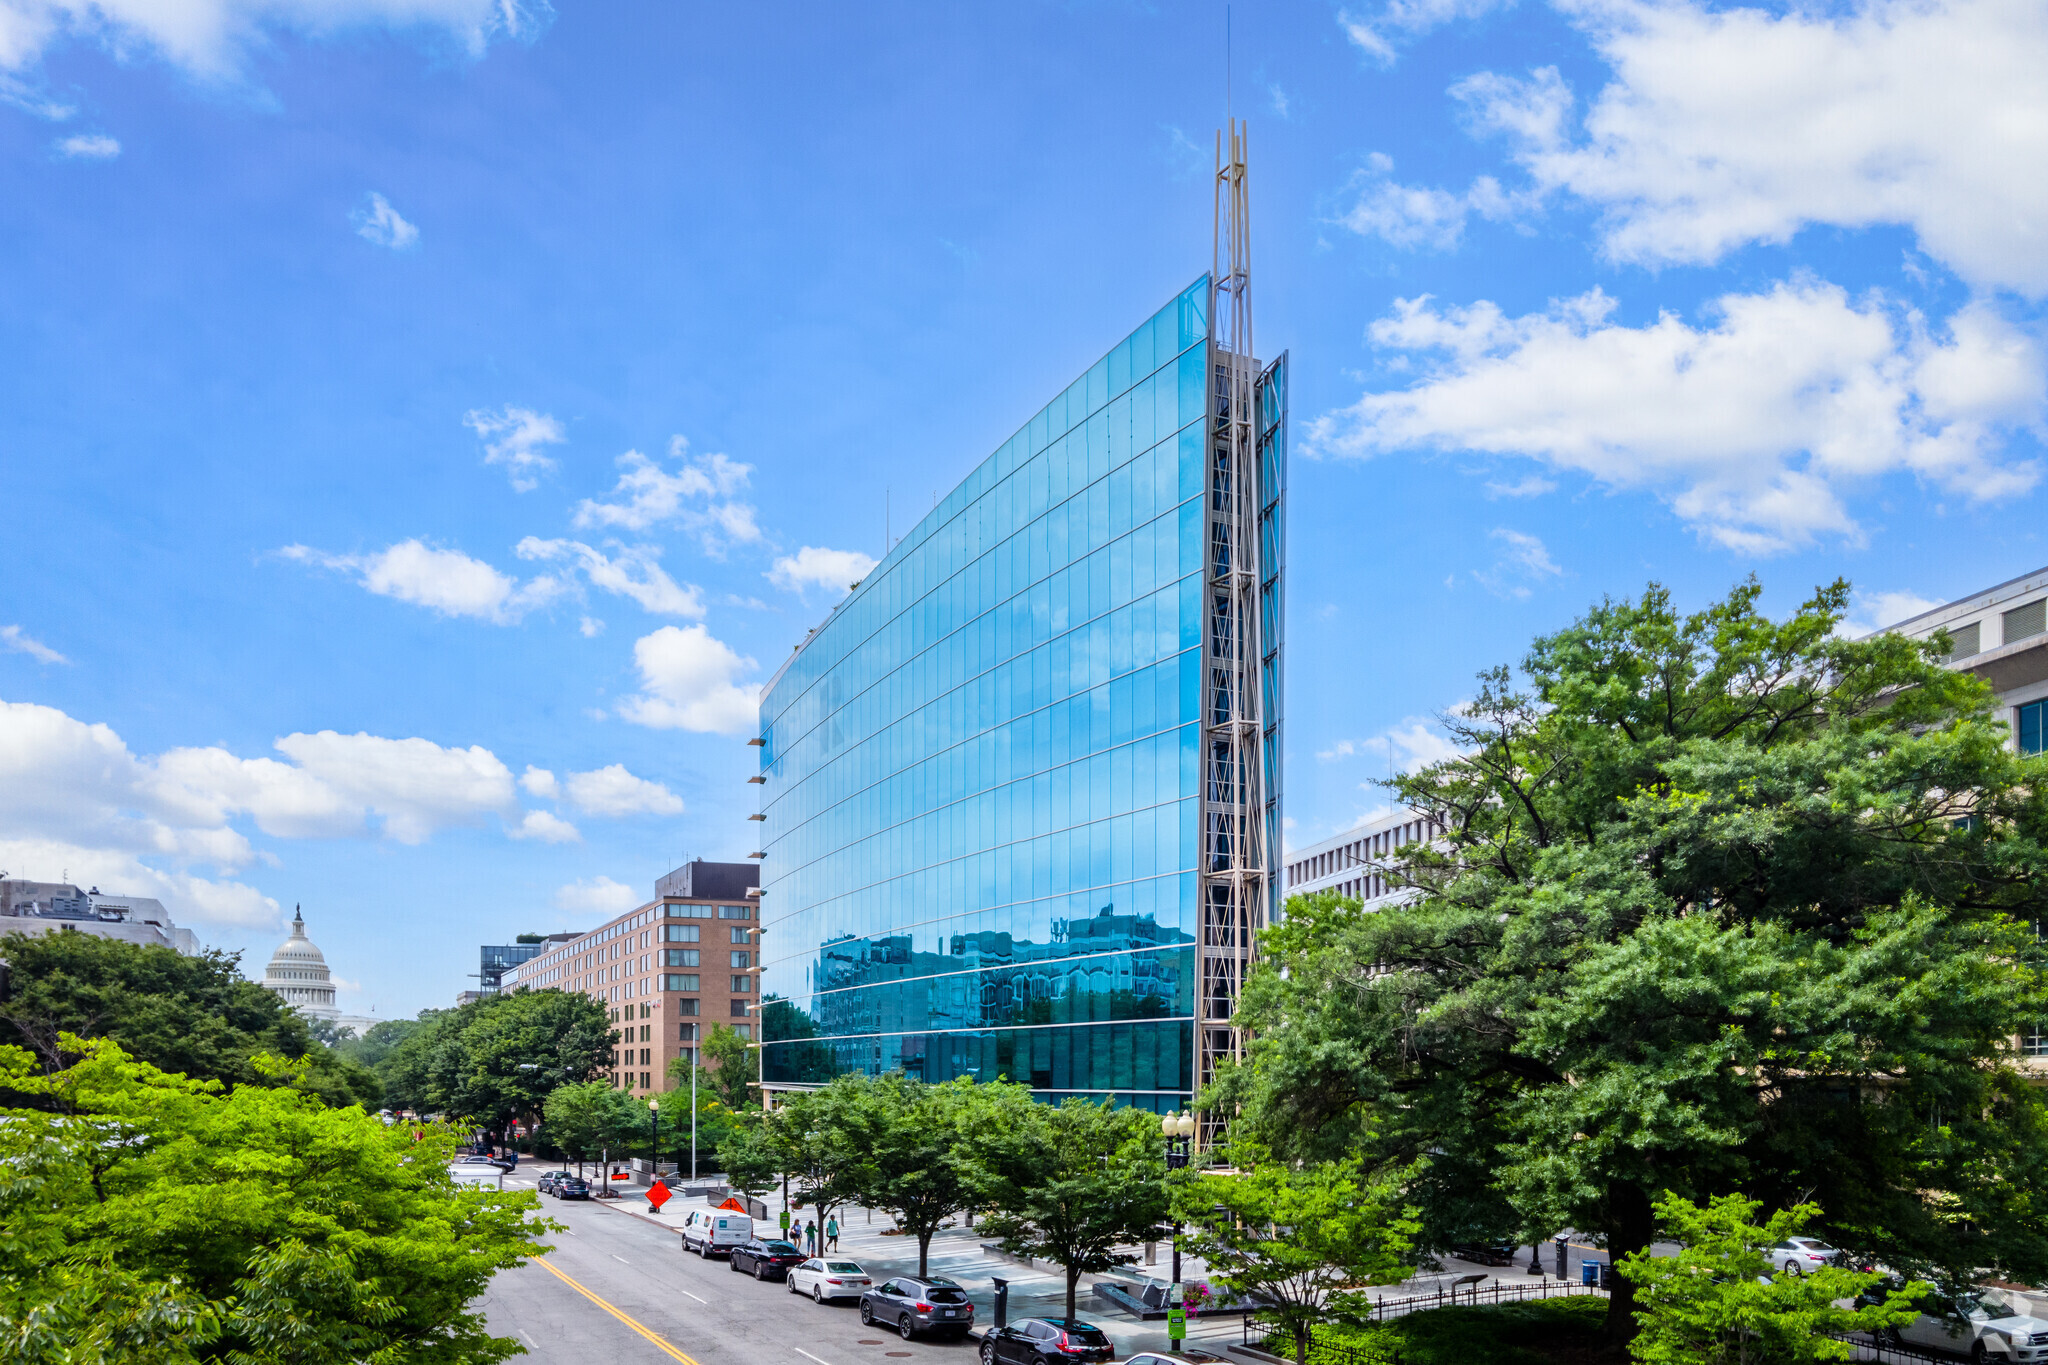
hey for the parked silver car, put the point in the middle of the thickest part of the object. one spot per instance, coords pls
(1988, 1325)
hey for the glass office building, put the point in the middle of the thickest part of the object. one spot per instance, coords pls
(994, 793)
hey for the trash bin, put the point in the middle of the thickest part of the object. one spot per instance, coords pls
(1589, 1274)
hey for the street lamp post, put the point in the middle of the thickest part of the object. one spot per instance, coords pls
(1179, 1129)
(694, 1053)
(654, 1150)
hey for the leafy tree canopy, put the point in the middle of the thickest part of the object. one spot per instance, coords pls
(1718, 1302)
(730, 1067)
(1303, 1240)
(1069, 1183)
(1720, 903)
(497, 1059)
(152, 1217)
(191, 1016)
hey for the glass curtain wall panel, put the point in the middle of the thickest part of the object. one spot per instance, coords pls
(982, 771)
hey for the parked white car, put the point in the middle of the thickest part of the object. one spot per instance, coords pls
(477, 1172)
(1986, 1326)
(1798, 1255)
(826, 1278)
(715, 1232)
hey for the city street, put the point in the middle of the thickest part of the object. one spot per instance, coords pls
(618, 1286)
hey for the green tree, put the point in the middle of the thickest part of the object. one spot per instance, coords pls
(255, 1225)
(497, 1059)
(730, 1067)
(371, 1047)
(1299, 1240)
(192, 1016)
(749, 1158)
(1720, 902)
(1717, 1303)
(1067, 1184)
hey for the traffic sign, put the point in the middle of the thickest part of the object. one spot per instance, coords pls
(657, 1195)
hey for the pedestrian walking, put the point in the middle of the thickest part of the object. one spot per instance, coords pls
(832, 1233)
(811, 1237)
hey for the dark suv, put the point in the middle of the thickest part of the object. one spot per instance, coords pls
(911, 1305)
(1042, 1341)
(767, 1260)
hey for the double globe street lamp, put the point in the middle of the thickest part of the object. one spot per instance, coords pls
(1179, 1129)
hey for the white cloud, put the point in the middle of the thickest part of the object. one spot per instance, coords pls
(590, 627)
(1376, 34)
(1413, 744)
(1523, 561)
(210, 38)
(89, 147)
(1528, 486)
(688, 682)
(445, 581)
(595, 896)
(72, 795)
(514, 437)
(648, 495)
(813, 565)
(17, 641)
(612, 791)
(380, 224)
(1754, 428)
(1722, 127)
(540, 782)
(634, 573)
(1871, 612)
(414, 785)
(546, 827)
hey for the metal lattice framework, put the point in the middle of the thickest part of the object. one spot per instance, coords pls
(1234, 867)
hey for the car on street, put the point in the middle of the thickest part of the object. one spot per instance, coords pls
(1798, 1255)
(1988, 1325)
(477, 1173)
(825, 1278)
(572, 1187)
(912, 1305)
(715, 1232)
(1189, 1356)
(764, 1260)
(546, 1183)
(1043, 1341)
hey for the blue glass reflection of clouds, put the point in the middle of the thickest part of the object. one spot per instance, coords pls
(981, 768)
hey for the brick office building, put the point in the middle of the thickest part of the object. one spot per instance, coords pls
(665, 971)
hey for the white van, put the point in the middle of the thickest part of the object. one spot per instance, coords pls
(715, 1232)
(478, 1174)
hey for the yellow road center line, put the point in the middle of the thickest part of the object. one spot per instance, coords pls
(631, 1322)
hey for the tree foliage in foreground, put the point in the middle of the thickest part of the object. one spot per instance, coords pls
(1722, 903)
(1718, 1301)
(1303, 1240)
(192, 1016)
(149, 1217)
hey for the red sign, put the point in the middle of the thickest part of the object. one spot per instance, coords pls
(735, 1205)
(622, 1175)
(657, 1194)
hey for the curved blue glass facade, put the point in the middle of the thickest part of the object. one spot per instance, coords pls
(982, 771)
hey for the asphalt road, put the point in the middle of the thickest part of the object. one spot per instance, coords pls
(618, 1288)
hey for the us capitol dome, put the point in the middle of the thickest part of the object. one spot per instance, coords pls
(298, 973)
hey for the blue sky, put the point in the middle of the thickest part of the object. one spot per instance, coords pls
(424, 422)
